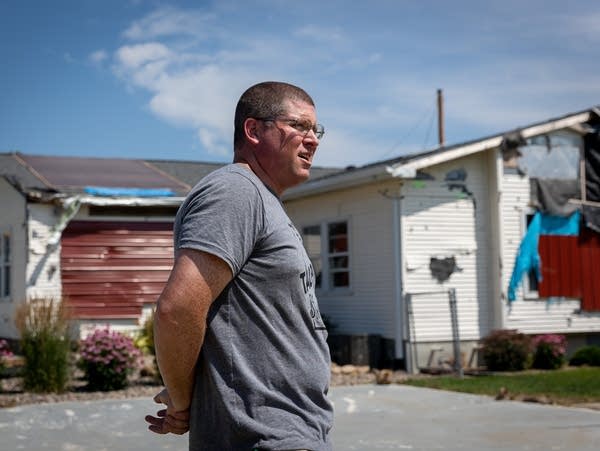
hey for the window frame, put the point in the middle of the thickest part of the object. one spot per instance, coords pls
(326, 283)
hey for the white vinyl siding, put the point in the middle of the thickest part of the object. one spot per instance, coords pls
(367, 305)
(440, 222)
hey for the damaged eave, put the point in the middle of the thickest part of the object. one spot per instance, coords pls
(409, 169)
(62, 198)
(131, 201)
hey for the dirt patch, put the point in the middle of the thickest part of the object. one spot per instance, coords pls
(12, 394)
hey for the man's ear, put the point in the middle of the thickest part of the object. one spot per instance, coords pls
(251, 130)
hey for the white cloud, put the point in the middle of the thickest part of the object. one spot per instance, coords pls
(320, 33)
(186, 90)
(98, 57)
(168, 21)
(191, 86)
(214, 143)
(135, 56)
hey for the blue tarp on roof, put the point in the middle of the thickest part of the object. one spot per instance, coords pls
(128, 192)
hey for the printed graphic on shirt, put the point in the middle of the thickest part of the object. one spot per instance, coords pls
(307, 277)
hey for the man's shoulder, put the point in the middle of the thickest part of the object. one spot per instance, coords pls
(230, 174)
(229, 179)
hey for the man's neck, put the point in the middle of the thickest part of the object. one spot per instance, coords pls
(253, 166)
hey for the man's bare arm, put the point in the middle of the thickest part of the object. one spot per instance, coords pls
(195, 282)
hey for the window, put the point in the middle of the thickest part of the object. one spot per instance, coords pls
(5, 261)
(327, 246)
(555, 156)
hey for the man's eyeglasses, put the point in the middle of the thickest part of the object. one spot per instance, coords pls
(302, 125)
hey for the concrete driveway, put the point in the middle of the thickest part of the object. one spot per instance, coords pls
(368, 417)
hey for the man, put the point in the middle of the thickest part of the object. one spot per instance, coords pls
(239, 339)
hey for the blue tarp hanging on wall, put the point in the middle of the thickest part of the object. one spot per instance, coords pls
(528, 258)
(128, 192)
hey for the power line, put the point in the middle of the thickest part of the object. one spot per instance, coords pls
(431, 121)
(428, 112)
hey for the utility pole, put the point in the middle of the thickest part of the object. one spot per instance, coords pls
(440, 107)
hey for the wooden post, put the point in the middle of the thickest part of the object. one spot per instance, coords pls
(440, 105)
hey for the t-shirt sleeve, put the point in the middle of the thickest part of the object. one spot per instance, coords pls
(223, 217)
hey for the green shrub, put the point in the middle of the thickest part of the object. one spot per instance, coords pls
(107, 359)
(145, 339)
(506, 350)
(588, 355)
(45, 345)
(549, 351)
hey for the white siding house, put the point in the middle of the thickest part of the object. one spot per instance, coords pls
(461, 209)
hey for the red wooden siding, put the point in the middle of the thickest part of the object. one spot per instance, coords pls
(589, 244)
(111, 269)
(571, 267)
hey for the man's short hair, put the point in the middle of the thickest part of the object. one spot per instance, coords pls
(266, 99)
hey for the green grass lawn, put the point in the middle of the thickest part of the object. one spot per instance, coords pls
(565, 386)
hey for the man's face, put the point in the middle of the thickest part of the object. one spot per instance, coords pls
(287, 151)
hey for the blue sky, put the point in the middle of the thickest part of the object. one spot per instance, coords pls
(160, 79)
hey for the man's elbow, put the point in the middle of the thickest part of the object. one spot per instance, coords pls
(167, 314)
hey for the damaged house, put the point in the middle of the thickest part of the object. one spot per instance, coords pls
(96, 232)
(401, 247)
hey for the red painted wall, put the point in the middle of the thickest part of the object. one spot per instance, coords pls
(571, 267)
(111, 269)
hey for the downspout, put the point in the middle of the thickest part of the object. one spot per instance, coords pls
(399, 276)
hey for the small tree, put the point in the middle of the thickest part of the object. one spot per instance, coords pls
(45, 345)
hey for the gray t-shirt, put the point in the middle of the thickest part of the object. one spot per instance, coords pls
(263, 373)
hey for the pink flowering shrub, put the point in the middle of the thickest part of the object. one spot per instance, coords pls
(108, 358)
(4, 353)
(549, 351)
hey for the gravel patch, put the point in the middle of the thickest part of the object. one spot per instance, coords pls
(12, 394)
